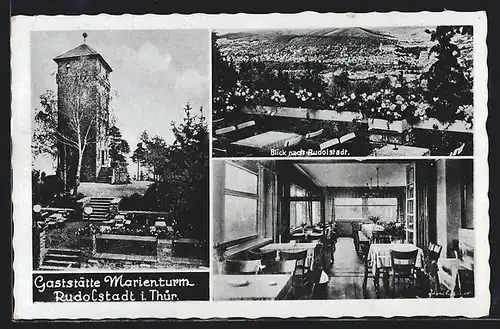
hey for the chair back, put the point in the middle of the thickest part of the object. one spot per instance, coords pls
(281, 267)
(403, 261)
(254, 254)
(242, 266)
(219, 152)
(295, 255)
(314, 134)
(433, 252)
(300, 260)
(380, 237)
(225, 130)
(246, 124)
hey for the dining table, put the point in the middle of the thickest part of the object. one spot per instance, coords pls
(379, 259)
(392, 150)
(251, 286)
(266, 141)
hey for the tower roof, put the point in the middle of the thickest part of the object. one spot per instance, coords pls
(80, 51)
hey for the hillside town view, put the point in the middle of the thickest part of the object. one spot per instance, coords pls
(410, 85)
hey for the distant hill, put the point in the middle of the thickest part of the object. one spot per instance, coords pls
(287, 35)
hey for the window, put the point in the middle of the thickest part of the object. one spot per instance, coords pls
(308, 212)
(348, 208)
(240, 203)
(297, 191)
(385, 208)
(363, 208)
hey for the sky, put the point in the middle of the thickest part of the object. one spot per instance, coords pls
(155, 73)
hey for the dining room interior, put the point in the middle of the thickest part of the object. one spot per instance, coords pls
(342, 229)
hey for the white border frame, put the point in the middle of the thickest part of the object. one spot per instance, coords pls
(21, 162)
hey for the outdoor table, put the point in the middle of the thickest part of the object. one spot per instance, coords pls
(259, 287)
(391, 150)
(160, 224)
(266, 141)
(119, 217)
(379, 258)
(368, 229)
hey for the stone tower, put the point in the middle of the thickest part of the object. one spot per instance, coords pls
(83, 87)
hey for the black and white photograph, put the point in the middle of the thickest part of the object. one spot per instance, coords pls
(120, 149)
(353, 91)
(205, 166)
(343, 230)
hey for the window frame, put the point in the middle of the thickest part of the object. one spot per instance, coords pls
(362, 204)
(242, 194)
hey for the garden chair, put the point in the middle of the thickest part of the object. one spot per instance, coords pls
(337, 141)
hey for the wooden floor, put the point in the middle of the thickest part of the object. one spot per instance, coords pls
(347, 275)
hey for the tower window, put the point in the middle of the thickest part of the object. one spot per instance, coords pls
(68, 66)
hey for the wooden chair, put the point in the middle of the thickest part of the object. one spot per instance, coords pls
(300, 257)
(267, 258)
(403, 268)
(280, 267)
(314, 134)
(318, 266)
(243, 130)
(337, 141)
(432, 254)
(218, 152)
(242, 266)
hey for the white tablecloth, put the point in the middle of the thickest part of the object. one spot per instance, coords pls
(379, 255)
(368, 229)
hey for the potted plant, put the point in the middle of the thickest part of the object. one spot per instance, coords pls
(397, 232)
(374, 219)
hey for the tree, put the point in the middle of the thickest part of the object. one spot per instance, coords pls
(449, 83)
(118, 148)
(183, 187)
(44, 139)
(139, 156)
(156, 154)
